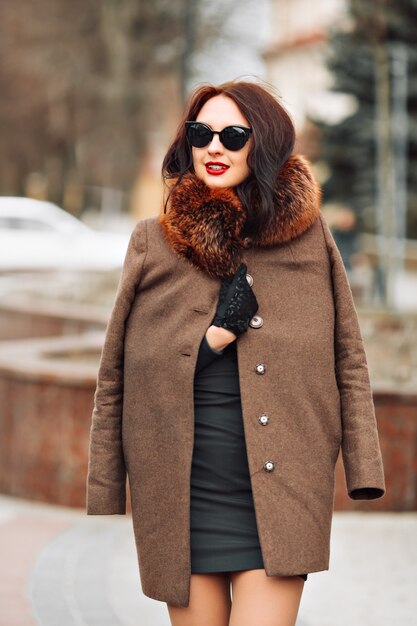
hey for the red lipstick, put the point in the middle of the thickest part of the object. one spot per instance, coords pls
(215, 168)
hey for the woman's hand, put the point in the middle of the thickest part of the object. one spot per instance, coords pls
(237, 303)
(219, 338)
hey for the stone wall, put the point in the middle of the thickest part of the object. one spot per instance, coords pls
(47, 389)
(20, 319)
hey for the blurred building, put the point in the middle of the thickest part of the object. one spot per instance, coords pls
(295, 58)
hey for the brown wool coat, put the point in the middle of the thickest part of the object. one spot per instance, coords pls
(315, 388)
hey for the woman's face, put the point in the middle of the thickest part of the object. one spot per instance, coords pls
(219, 112)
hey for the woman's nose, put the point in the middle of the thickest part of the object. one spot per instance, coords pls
(215, 146)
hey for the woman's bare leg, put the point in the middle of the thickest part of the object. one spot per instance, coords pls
(209, 602)
(267, 600)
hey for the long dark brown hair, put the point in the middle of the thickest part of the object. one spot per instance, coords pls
(273, 142)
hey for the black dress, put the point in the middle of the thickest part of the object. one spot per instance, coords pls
(224, 535)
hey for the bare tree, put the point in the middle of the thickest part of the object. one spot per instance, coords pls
(84, 82)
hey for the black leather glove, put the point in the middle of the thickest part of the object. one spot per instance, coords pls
(237, 302)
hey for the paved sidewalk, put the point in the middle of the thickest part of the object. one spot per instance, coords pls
(60, 567)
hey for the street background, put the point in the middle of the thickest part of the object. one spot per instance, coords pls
(91, 96)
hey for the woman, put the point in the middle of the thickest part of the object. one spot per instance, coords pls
(232, 372)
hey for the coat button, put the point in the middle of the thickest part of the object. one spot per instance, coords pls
(260, 368)
(269, 466)
(256, 321)
(263, 420)
(249, 279)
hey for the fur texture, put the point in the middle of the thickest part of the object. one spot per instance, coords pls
(204, 224)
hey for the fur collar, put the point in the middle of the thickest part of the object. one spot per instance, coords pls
(204, 224)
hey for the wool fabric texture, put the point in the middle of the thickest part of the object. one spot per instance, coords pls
(315, 388)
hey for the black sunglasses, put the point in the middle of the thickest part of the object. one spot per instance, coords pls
(232, 137)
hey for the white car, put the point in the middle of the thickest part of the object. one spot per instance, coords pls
(38, 235)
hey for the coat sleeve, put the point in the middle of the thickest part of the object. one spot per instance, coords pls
(361, 452)
(106, 478)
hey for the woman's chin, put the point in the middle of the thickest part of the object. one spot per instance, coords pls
(216, 182)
